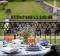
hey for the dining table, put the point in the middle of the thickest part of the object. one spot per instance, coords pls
(23, 52)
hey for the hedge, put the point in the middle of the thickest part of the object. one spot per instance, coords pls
(17, 17)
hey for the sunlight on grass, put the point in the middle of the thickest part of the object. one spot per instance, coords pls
(1, 32)
(26, 8)
(2, 15)
(23, 8)
(1, 38)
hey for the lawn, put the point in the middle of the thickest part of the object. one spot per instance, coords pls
(51, 2)
(23, 8)
(37, 40)
(52, 41)
(26, 8)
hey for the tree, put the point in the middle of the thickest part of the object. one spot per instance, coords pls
(23, 0)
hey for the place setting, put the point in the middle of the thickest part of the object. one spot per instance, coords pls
(9, 47)
(17, 46)
(32, 46)
(45, 43)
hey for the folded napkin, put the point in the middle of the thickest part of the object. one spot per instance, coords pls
(56, 47)
(9, 49)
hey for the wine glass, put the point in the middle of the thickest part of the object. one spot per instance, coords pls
(31, 41)
(9, 38)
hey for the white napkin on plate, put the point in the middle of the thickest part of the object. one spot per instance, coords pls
(9, 49)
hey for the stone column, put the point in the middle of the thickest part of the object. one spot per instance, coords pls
(54, 11)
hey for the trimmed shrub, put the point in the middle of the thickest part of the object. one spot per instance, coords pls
(3, 6)
(50, 17)
(17, 17)
(44, 17)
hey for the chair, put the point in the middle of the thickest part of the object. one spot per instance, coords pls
(54, 51)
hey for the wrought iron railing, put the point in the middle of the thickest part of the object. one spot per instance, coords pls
(42, 28)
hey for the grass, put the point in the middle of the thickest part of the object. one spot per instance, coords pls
(52, 41)
(1, 32)
(2, 15)
(37, 40)
(51, 2)
(26, 8)
(23, 8)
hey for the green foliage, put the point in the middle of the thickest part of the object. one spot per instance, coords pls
(24, 9)
(2, 6)
(17, 17)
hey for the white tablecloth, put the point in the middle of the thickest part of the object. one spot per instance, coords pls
(23, 52)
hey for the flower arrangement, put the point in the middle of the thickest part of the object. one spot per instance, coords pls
(27, 33)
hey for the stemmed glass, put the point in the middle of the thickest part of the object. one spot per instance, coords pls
(9, 39)
(31, 41)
